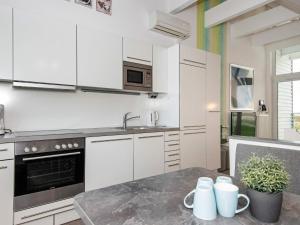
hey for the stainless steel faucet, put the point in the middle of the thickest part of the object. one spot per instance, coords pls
(125, 119)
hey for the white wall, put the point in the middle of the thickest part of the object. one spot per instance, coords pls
(241, 51)
(43, 110)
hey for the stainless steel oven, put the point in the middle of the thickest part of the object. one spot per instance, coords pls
(137, 77)
(47, 171)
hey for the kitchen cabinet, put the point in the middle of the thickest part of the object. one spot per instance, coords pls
(45, 221)
(193, 148)
(6, 43)
(7, 183)
(65, 217)
(160, 69)
(192, 97)
(137, 51)
(213, 115)
(148, 155)
(99, 57)
(44, 49)
(192, 56)
(109, 161)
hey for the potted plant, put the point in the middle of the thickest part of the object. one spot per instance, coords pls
(266, 178)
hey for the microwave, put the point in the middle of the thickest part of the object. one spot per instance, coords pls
(137, 77)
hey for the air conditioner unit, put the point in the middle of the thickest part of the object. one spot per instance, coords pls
(169, 25)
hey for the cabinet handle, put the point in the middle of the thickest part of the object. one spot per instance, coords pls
(120, 139)
(175, 154)
(4, 150)
(175, 164)
(151, 136)
(173, 134)
(194, 133)
(3, 167)
(36, 214)
(192, 61)
(173, 144)
(214, 111)
(194, 126)
(143, 60)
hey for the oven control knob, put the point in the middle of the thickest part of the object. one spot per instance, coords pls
(70, 146)
(26, 149)
(75, 145)
(63, 146)
(57, 147)
(34, 149)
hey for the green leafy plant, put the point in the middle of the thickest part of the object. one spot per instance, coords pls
(264, 174)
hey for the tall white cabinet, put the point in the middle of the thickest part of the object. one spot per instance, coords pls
(213, 111)
(99, 57)
(199, 105)
(6, 43)
(44, 49)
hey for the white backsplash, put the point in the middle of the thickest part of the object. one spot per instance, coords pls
(27, 109)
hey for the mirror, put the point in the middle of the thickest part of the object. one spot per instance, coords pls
(241, 88)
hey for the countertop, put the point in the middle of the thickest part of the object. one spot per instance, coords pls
(77, 133)
(265, 140)
(159, 201)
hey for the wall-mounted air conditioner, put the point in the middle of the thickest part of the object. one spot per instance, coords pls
(169, 25)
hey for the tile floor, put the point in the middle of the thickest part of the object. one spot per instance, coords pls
(77, 222)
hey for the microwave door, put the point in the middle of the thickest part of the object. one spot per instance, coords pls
(134, 77)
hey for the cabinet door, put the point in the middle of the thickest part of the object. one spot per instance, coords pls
(192, 147)
(6, 43)
(109, 161)
(213, 82)
(192, 96)
(44, 221)
(6, 191)
(192, 56)
(137, 51)
(44, 49)
(148, 155)
(160, 69)
(213, 140)
(99, 57)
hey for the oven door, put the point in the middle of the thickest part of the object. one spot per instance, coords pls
(48, 177)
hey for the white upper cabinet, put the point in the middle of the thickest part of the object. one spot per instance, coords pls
(148, 155)
(44, 49)
(5, 43)
(192, 97)
(213, 82)
(99, 57)
(160, 69)
(192, 56)
(137, 51)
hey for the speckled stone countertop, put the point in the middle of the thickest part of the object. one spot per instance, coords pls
(265, 140)
(76, 133)
(159, 201)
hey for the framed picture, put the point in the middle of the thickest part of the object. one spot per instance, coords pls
(241, 88)
(104, 6)
(84, 2)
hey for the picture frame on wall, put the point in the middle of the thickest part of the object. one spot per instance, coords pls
(104, 6)
(87, 3)
(241, 88)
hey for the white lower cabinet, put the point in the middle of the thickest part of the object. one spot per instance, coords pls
(6, 191)
(193, 148)
(148, 155)
(44, 221)
(65, 217)
(109, 161)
